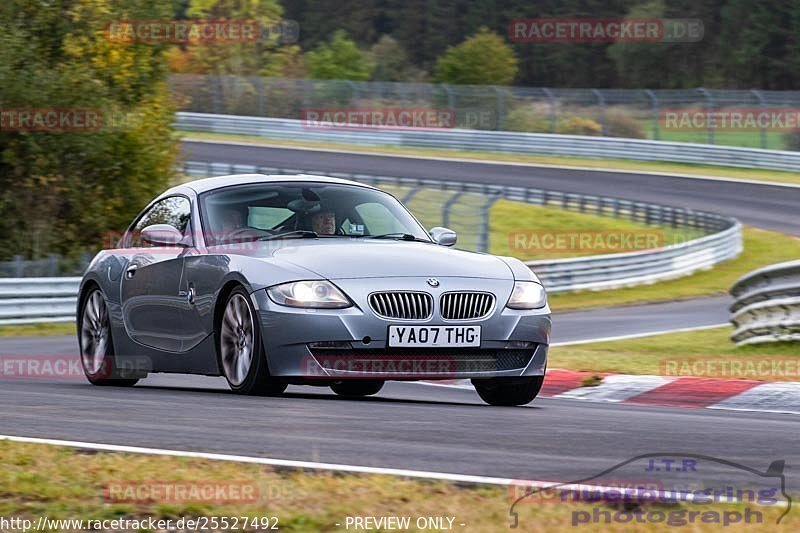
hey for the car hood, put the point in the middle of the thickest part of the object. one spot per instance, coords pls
(338, 259)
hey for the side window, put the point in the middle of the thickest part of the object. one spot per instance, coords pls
(175, 211)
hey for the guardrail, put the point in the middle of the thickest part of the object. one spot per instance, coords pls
(494, 141)
(32, 300)
(28, 300)
(767, 305)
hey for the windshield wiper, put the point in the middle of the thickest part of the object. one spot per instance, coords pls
(397, 236)
(297, 234)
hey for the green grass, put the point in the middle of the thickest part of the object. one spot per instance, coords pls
(62, 483)
(761, 248)
(510, 220)
(34, 330)
(613, 164)
(750, 139)
(675, 353)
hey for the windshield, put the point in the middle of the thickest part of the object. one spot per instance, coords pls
(266, 210)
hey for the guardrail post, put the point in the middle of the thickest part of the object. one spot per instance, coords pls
(447, 206)
(709, 111)
(552, 99)
(762, 105)
(410, 194)
(52, 265)
(500, 107)
(216, 94)
(483, 236)
(355, 94)
(656, 113)
(19, 266)
(601, 101)
(259, 83)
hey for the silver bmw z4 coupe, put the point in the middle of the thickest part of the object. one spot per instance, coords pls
(277, 280)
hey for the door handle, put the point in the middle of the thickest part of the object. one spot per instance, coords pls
(189, 295)
(130, 271)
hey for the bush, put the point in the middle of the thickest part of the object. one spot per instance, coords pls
(575, 125)
(791, 140)
(527, 119)
(620, 123)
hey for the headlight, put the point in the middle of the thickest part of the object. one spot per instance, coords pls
(309, 294)
(527, 295)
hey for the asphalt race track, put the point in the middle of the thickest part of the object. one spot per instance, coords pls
(408, 425)
(419, 426)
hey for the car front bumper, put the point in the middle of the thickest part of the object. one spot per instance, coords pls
(352, 343)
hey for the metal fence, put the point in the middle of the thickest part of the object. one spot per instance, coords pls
(51, 266)
(626, 113)
(767, 305)
(496, 141)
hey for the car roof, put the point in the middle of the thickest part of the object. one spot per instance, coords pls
(209, 184)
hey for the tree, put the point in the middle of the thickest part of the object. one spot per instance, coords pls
(390, 60)
(338, 59)
(265, 55)
(61, 191)
(483, 59)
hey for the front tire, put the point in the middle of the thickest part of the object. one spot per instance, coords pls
(508, 391)
(357, 388)
(96, 347)
(241, 353)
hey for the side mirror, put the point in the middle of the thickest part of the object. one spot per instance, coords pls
(162, 235)
(443, 236)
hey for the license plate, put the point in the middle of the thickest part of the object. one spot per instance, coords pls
(434, 336)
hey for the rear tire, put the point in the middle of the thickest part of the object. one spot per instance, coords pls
(240, 350)
(508, 391)
(357, 388)
(96, 346)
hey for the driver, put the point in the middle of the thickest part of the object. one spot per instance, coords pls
(324, 223)
(231, 219)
